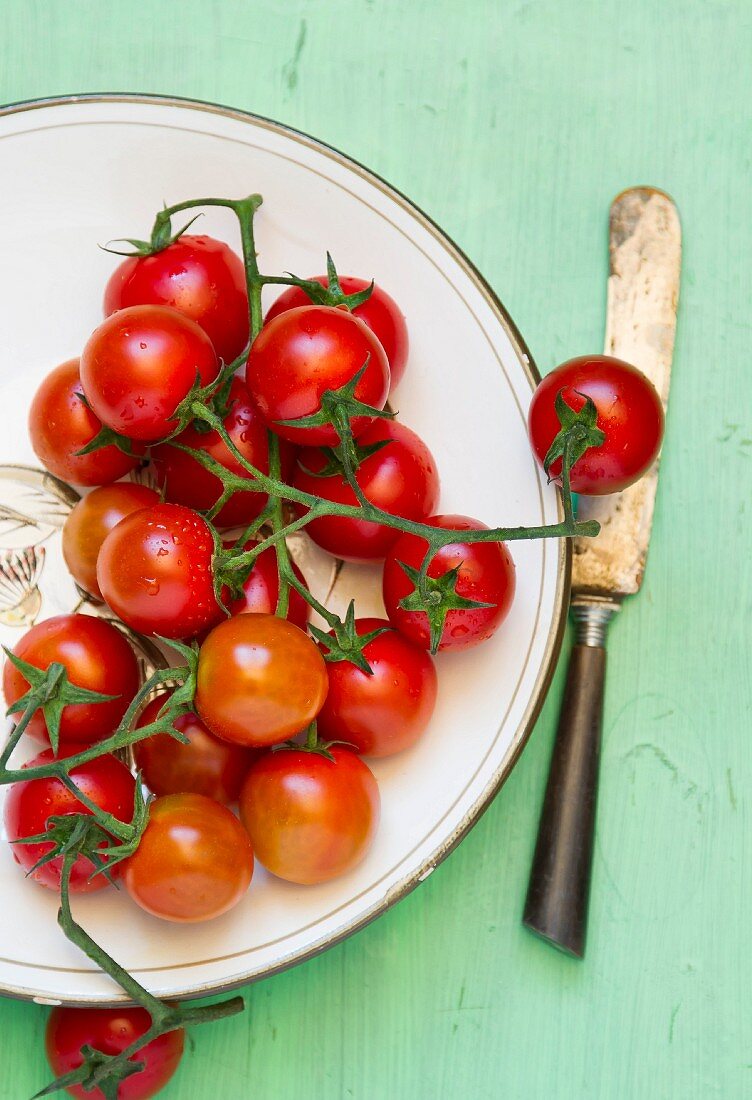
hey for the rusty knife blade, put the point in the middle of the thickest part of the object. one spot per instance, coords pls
(643, 294)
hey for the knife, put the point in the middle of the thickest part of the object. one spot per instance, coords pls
(643, 292)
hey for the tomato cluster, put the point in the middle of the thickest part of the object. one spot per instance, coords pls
(292, 428)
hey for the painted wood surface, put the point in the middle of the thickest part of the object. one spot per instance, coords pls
(514, 123)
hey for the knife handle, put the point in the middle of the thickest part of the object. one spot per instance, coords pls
(556, 907)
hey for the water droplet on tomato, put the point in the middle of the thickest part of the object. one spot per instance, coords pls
(142, 345)
(161, 553)
(458, 632)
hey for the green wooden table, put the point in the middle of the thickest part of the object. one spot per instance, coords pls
(514, 123)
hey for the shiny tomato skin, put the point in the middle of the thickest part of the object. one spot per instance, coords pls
(154, 571)
(138, 366)
(91, 520)
(261, 591)
(30, 803)
(96, 656)
(303, 353)
(629, 412)
(112, 1030)
(260, 680)
(401, 478)
(60, 425)
(310, 819)
(388, 711)
(186, 481)
(206, 766)
(486, 573)
(381, 313)
(200, 277)
(194, 861)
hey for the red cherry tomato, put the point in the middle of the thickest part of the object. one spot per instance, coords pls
(304, 352)
(186, 481)
(380, 312)
(154, 571)
(60, 425)
(387, 711)
(200, 277)
(139, 365)
(401, 478)
(629, 412)
(194, 861)
(96, 656)
(261, 591)
(32, 802)
(91, 520)
(486, 573)
(310, 819)
(205, 766)
(112, 1030)
(260, 680)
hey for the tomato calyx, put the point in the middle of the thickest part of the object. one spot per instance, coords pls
(50, 691)
(161, 237)
(346, 644)
(95, 1072)
(436, 597)
(311, 744)
(105, 437)
(336, 460)
(338, 408)
(333, 294)
(579, 432)
(98, 836)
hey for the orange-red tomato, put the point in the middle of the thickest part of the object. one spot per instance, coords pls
(198, 276)
(387, 711)
(260, 680)
(32, 802)
(194, 861)
(155, 571)
(310, 819)
(138, 366)
(60, 425)
(112, 1030)
(205, 766)
(96, 656)
(90, 522)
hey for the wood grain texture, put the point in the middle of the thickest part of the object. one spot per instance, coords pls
(514, 125)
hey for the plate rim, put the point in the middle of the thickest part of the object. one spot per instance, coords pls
(564, 547)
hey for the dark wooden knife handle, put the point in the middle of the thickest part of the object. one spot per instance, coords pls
(557, 900)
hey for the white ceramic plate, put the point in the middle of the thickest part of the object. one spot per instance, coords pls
(80, 172)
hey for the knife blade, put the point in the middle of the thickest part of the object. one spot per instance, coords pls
(643, 295)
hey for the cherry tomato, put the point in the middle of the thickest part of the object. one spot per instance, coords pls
(194, 861)
(112, 1030)
(629, 412)
(96, 656)
(380, 312)
(154, 571)
(486, 573)
(205, 766)
(306, 351)
(186, 481)
(387, 711)
(32, 802)
(400, 478)
(310, 819)
(60, 425)
(260, 680)
(261, 591)
(139, 365)
(91, 520)
(200, 277)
